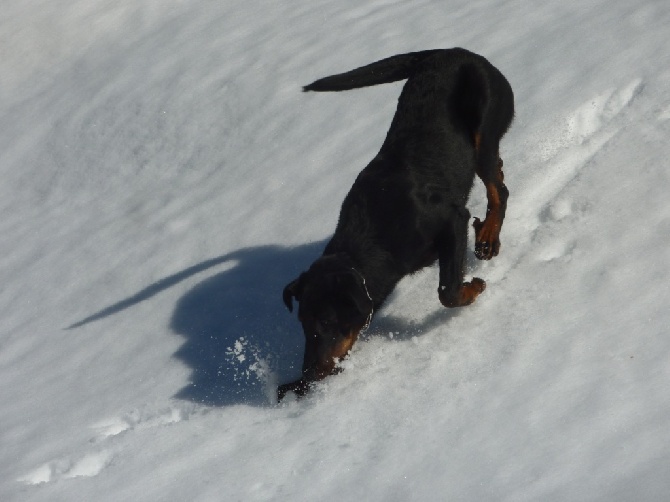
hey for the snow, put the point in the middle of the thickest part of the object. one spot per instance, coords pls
(163, 178)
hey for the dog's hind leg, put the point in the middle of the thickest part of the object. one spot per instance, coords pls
(489, 170)
(486, 106)
(451, 247)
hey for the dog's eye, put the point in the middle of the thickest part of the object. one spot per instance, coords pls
(327, 323)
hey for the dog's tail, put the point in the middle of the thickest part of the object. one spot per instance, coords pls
(385, 71)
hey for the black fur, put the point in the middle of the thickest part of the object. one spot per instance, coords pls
(407, 208)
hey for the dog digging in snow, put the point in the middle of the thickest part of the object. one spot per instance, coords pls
(407, 208)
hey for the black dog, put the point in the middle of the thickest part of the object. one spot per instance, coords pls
(407, 208)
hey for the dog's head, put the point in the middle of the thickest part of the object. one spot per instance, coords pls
(335, 306)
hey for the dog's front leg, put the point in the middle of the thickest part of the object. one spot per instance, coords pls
(451, 247)
(466, 293)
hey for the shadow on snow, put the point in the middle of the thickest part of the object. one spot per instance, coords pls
(240, 339)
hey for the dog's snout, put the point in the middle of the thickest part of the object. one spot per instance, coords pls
(322, 355)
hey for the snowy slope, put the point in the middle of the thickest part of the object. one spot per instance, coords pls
(163, 178)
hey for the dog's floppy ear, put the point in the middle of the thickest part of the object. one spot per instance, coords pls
(293, 290)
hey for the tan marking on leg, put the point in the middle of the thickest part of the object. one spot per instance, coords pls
(487, 233)
(466, 295)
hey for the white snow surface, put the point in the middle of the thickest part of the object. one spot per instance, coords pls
(163, 177)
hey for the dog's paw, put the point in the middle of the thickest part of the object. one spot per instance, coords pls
(467, 294)
(487, 242)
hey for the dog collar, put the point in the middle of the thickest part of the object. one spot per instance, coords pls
(372, 309)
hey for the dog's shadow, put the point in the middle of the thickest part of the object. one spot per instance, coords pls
(240, 339)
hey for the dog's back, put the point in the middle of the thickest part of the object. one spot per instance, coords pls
(478, 100)
(452, 112)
